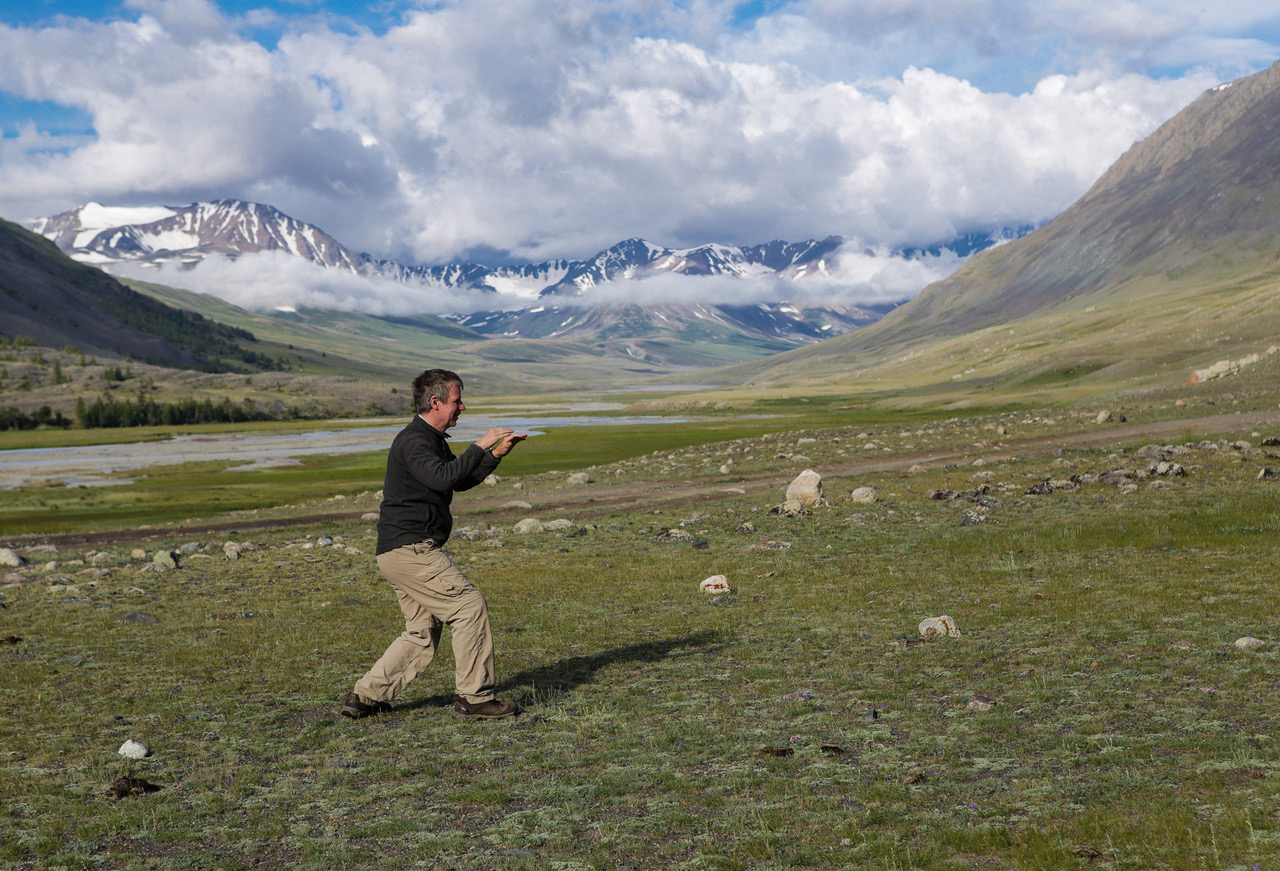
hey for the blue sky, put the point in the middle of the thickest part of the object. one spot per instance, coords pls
(426, 132)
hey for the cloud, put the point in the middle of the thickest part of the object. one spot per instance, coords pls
(271, 280)
(544, 129)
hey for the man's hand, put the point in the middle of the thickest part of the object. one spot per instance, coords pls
(499, 440)
(493, 436)
(504, 447)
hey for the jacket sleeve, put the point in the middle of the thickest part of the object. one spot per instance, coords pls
(438, 471)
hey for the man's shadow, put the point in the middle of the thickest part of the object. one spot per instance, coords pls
(545, 683)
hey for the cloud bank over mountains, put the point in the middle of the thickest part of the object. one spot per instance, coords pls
(523, 130)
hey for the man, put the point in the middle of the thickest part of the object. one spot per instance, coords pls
(413, 525)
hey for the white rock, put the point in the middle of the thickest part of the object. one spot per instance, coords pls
(806, 489)
(529, 524)
(579, 478)
(516, 503)
(864, 494)
(1249, 643)
(369, 515)
(724, 470)
(131, 749)
(558, 524)
(716, 585)
(491, 480)
(10, 558)
(1103, 417)
(936, 627)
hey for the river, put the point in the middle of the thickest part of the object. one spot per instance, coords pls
(89, 465)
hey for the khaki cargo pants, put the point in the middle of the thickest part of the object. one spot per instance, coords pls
(433, 592)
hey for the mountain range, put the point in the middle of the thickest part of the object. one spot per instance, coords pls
(1168, 265)
(524, 299)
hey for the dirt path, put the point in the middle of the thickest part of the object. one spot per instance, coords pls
(588, 502)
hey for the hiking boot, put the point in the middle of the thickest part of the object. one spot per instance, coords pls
(490, 710)
(355, 707)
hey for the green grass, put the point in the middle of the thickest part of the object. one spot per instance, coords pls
(1102, 624)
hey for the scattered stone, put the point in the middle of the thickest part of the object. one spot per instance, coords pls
(1170, 470)
(676, 535)
(864, 494)
(516, 503)
(1103, 417)
(528, 525)
(942, 495)
(491, 480)
(11, 558)
(982, 477)
(916, 469)
(137, 553)
(137, 617)
(745, 527)
(805, 491)
(101, 556)
(936, 627)
(771, 545)
(324, 541)
(190, 547)
(1250, 643)
(975, 516)
(578, 478)
(1181, 403)
(370, 515)
(232, 551)
(1162, 485)
(716, 585)
(981, 703)
(132, 749)
(126, 786)
(166, 559)
(724, 469)
(557, 525)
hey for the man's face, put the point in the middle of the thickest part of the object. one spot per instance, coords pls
(445, 414)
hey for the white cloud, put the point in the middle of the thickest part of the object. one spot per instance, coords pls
(268, 280)
(548, 129)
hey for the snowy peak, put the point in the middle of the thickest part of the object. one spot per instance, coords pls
(100, 234)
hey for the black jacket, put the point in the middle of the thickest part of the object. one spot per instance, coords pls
(422, 475)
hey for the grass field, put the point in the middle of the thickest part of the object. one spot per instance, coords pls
(1095, 713)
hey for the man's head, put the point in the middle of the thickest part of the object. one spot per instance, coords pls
(437, 396)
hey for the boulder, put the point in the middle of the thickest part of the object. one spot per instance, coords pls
(11, 558)
(937, 627)
(805, 491)
(1103, 417)
(1249, 643)
(529, 525)
(864, 495)
(577, 479)
(165, 558)
(134, 750)
(716, 585)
